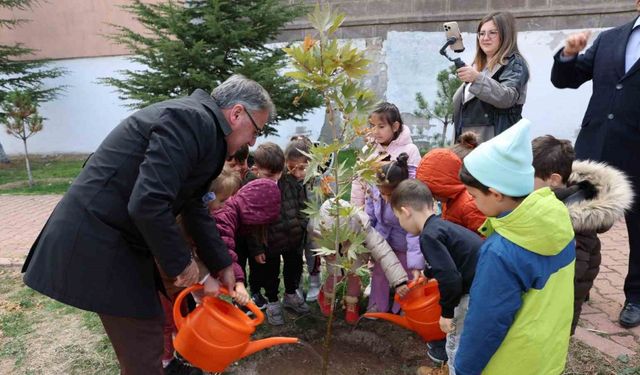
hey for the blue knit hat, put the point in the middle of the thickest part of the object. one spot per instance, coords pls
(504, 162)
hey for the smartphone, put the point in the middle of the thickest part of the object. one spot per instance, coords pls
(451, 29)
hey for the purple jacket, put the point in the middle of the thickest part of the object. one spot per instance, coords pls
(387, 224)
(256, 203)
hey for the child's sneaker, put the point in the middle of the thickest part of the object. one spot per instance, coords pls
(294, 302)
(314, 288)
(352, 314)
(275, 315)
(259, 300)
(324, 301)
(436, 351)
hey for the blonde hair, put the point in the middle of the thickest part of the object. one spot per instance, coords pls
(227, 182)
(506, 25)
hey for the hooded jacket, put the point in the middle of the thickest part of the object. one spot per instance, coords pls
(597, 196)
(256, 203)
(288, 232)
(403, 143)
(379, 249)
(521, 299)
(439, 170)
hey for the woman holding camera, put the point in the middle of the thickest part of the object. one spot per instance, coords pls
(495, 86)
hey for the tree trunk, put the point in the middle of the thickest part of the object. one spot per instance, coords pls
(3, 156)
(444, 134)
(26, 161)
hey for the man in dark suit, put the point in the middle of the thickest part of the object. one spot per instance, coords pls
(611, 126)
(115, 229)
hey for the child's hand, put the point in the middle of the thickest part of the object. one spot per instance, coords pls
(211, 287)
(261, 258)
(242, 297)
(402, 290)
(416, 274)
(446, 325)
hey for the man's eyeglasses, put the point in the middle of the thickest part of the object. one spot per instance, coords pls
(490, 34)
(259, 132)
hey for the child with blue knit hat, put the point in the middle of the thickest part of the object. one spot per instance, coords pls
(521, 299)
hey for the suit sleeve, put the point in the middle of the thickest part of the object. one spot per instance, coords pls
(574, 72)
(496, 296)
(443, 269)
(171, 154)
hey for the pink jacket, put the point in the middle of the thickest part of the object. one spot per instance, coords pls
(256, 203)
(403, 143)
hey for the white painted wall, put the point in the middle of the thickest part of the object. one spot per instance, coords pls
(413, 63)
(80, 119)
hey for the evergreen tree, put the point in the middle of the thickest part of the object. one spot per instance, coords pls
(17, 72)
(200, 43)
(442, 109)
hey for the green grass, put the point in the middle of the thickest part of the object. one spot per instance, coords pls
(51, 174)
(38, 333)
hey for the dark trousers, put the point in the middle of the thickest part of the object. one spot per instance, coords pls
(253, 278)
(291, 271)
(138, 343)
(632, 282)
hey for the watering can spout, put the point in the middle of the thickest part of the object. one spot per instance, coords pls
(393, 318)
(257, 345)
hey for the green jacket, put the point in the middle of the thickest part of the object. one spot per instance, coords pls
(521, 300)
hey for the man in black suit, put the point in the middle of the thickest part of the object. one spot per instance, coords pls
(115, 229)
(610, 129)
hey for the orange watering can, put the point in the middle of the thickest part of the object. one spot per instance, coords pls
(217, 333)
(421, 310)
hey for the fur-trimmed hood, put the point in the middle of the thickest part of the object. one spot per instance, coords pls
(607, 193)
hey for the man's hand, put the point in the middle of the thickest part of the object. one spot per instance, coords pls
(468, 74)
(261, 258)
(576, 43)
(228, 279)
(446, 325)
(188, 276)
(402, 290)
(242, 297)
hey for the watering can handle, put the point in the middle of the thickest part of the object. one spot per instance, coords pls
(419, 280)
(177, 314)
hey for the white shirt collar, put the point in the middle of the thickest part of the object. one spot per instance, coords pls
(637, 23)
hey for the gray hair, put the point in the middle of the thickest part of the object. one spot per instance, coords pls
(239, 89)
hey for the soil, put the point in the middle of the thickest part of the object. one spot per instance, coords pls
(373, 347)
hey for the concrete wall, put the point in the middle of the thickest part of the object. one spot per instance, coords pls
(375, 18)
(402, 64)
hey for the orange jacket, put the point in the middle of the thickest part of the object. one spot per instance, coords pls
(439, 170)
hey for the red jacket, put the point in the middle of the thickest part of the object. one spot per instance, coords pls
(256, 203)
(439, 170)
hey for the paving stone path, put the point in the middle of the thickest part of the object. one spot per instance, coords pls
(22, 217)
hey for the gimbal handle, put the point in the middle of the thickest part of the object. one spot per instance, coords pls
(443, 51)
